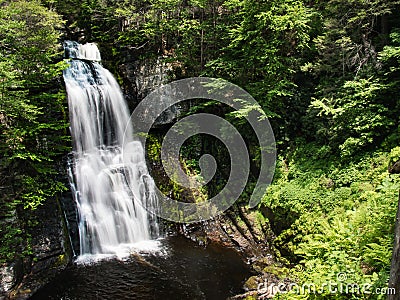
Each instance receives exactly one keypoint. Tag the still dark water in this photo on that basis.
(186, 271)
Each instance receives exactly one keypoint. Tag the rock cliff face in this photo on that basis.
(19, 279)
(141, 77)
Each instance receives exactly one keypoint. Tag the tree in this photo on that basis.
(352, 107)
(266, 47)
(32, 116)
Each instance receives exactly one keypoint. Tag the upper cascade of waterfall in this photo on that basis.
(88, 51)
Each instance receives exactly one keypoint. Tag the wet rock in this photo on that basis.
(252, 283)
(394, 168)
(10, 275)
(264, 286)
(141, 77)
(242, 229)
(50, 254)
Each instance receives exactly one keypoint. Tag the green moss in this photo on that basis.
(169, 186)
(279, 271)
(251, 283)
(62, 260)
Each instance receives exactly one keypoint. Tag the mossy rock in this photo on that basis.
(62, 260)
(252, 283)
(280, 272)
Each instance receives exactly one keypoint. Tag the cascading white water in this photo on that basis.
(109, 177)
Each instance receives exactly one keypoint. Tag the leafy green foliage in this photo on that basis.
(263, 53)
(357, 115)
(345, 213)
(32, 117)
(354, 102)
(167, 185)
(327, 73)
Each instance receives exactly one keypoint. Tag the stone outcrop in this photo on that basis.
(141, 77)
(50, 254)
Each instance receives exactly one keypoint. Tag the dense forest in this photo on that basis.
(327, 74)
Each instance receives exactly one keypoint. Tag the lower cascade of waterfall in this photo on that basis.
(108, 173)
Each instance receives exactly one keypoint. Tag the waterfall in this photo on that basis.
(108, 173)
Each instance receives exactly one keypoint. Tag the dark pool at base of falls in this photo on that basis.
(185, 271)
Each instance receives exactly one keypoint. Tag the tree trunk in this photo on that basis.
(394, 280)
